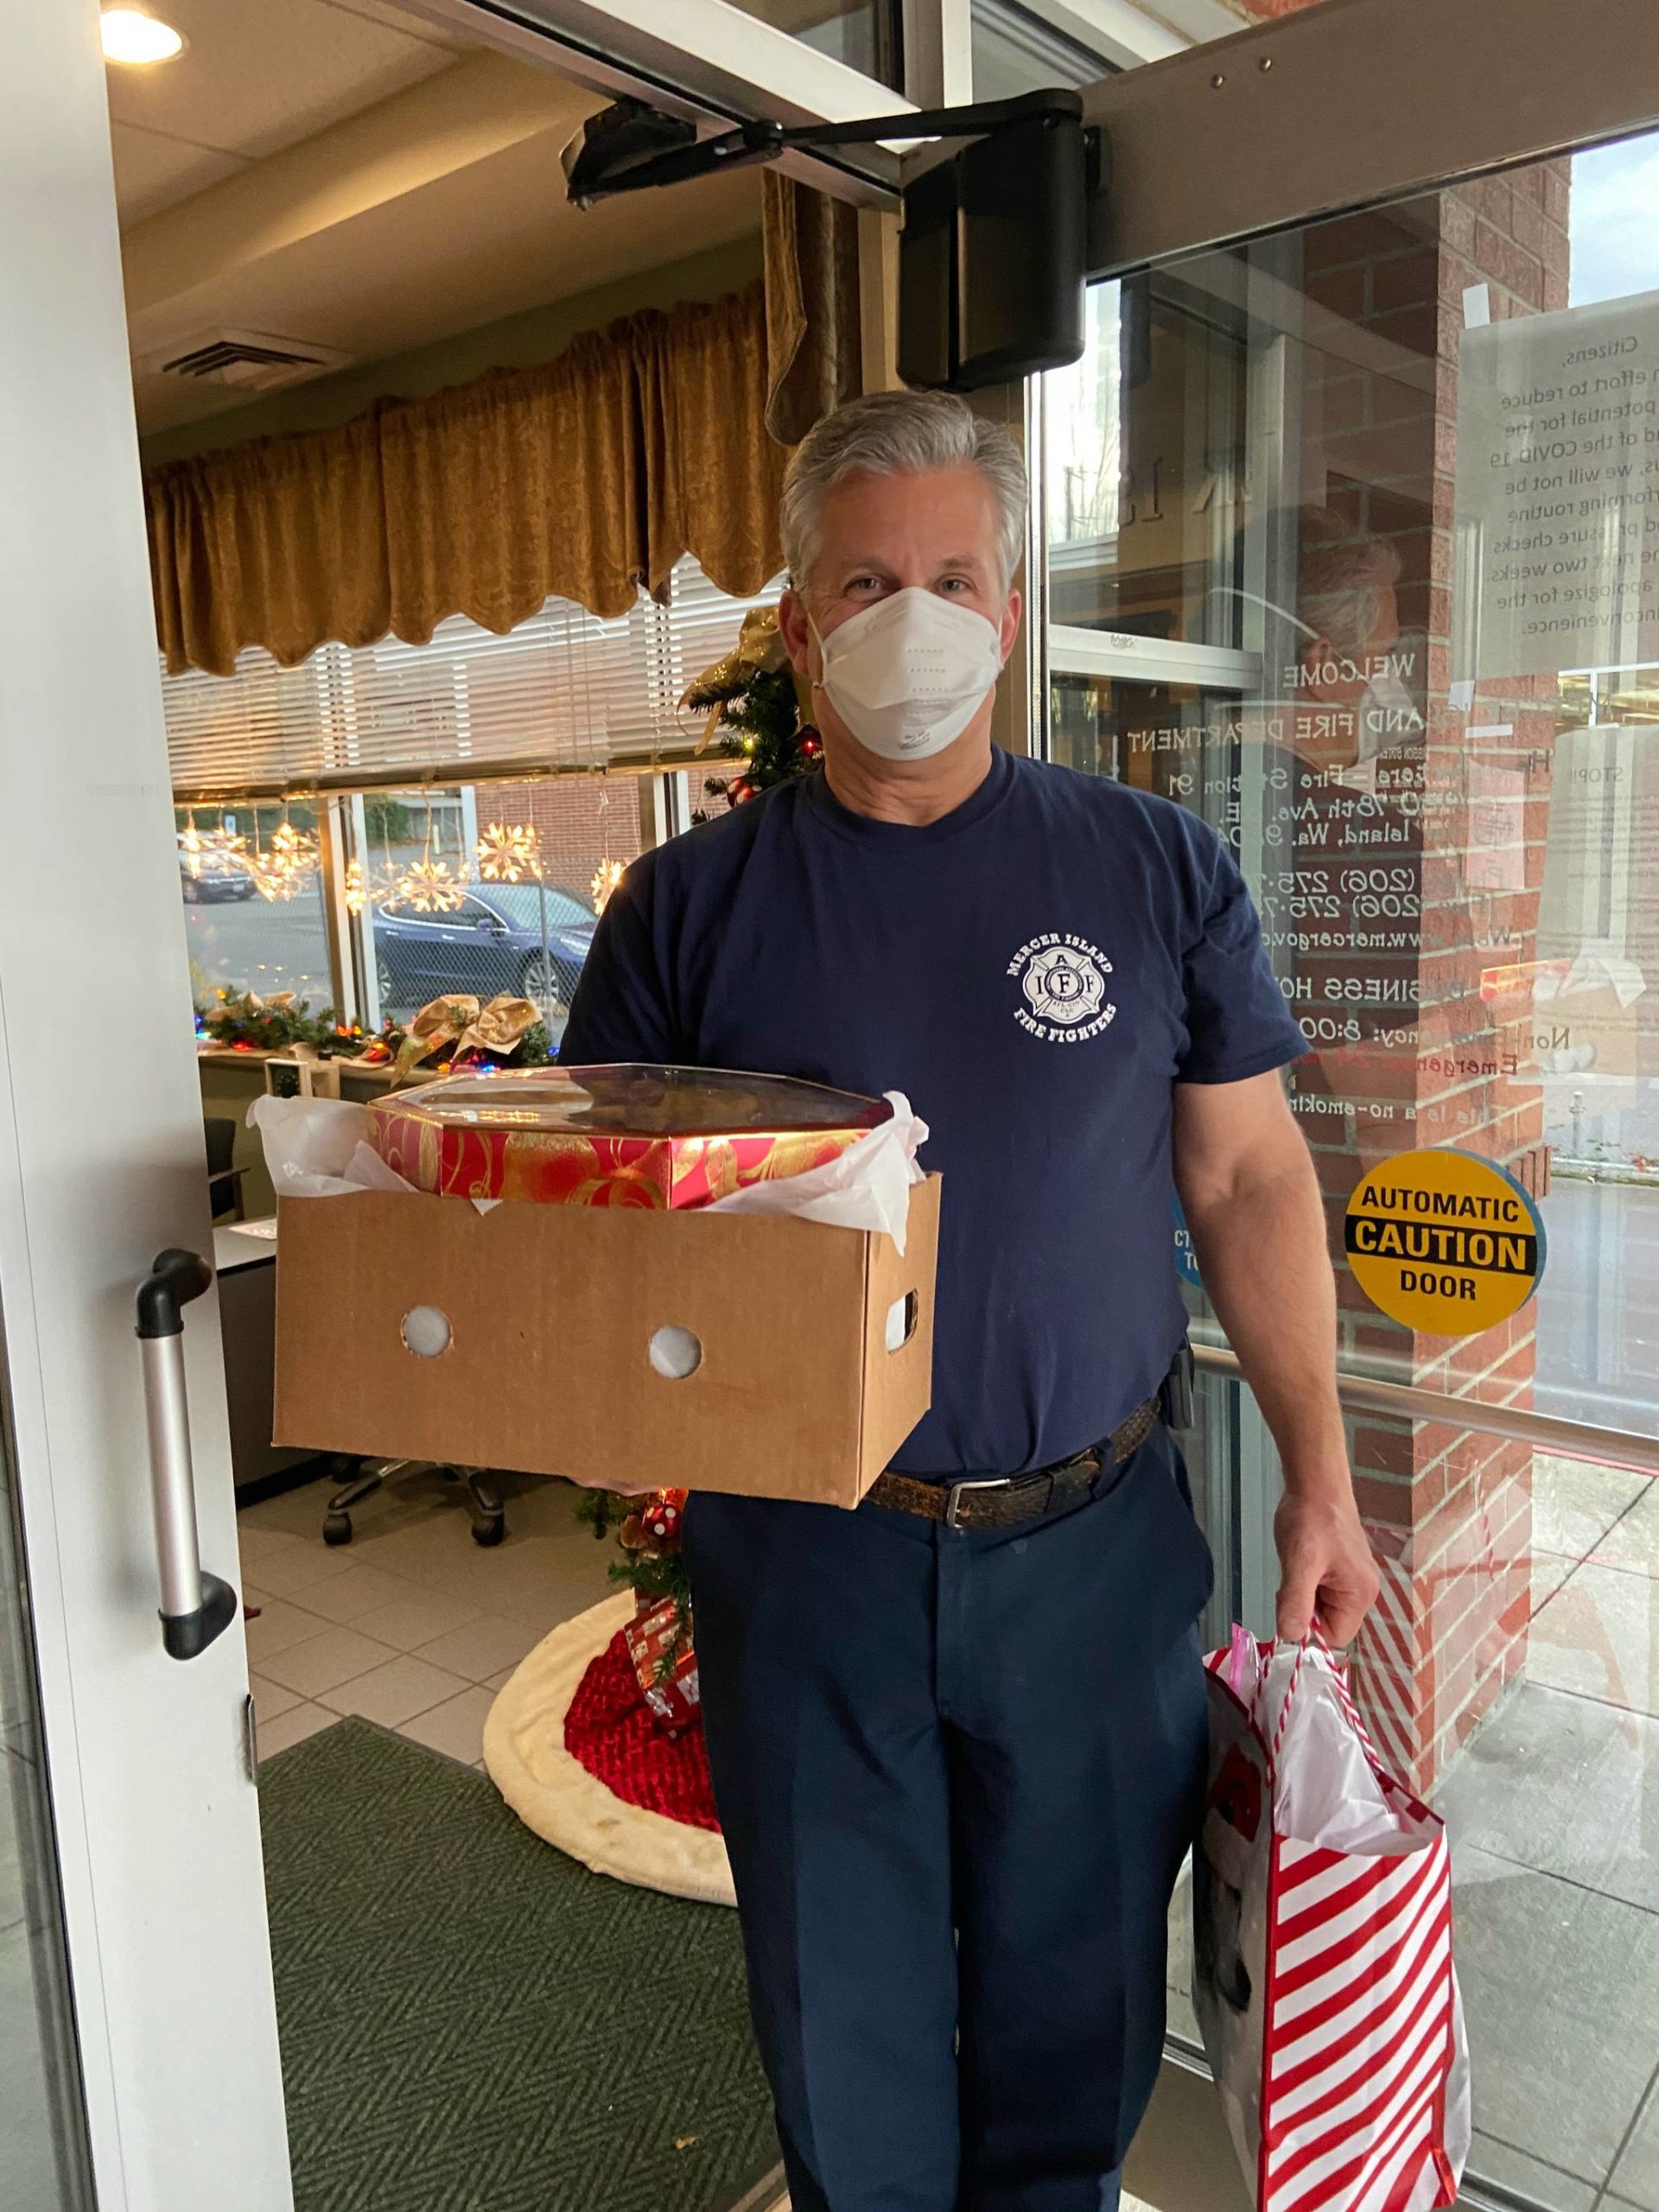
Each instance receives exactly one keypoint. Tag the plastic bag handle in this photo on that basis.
(1315, 1634)
(1315, 1638)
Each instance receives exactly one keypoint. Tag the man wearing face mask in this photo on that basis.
(958, 1735)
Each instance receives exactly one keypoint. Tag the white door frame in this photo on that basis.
(101, 1165)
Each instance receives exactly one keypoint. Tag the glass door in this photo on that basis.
(138, 2055)
(1353, 546)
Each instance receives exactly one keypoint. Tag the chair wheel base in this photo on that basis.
(480, 1494)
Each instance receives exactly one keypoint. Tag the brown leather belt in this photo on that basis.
(1003, 1501)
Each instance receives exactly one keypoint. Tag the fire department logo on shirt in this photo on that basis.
(1063, 984)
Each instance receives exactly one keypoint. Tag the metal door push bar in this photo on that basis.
(196, 1606)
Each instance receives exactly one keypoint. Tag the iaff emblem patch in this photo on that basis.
(1062, 982)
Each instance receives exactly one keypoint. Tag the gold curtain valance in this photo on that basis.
(280, 543)
(581, 479)
(813, 344)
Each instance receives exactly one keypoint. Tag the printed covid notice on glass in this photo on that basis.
(1558, 492)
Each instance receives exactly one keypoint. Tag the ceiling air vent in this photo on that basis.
(249, 360)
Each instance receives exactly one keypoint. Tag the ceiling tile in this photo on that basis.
(152, 172)
(253, 80)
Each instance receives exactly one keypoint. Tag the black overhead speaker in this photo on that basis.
(993, 258)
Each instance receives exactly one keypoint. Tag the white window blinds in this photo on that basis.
(563, 690)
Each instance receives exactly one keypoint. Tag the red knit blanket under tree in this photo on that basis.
(611, 1731)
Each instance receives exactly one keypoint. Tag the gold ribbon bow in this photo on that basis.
(459, 1022)
(759, 650)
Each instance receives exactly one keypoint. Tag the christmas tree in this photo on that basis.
(648, 1531)
(652, 1566)
(753, 702)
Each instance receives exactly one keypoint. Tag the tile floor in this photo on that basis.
(410, 1624)
(1553, 1814)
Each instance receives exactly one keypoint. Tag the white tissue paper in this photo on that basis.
(319, 1148)
(867, 1187)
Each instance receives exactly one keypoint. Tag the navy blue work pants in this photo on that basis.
(957, 1774)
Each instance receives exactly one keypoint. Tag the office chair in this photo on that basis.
(224, 1177)
(481, 1497)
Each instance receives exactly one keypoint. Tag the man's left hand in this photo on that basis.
(1325, 1566)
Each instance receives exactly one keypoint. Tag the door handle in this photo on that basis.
(196, 1606)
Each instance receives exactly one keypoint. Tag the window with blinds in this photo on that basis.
(564, 691)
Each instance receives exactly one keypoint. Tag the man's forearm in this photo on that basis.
(1260, 1251)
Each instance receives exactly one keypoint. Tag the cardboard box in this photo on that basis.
(550, 1314)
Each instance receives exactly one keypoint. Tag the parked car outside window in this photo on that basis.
(490, 943)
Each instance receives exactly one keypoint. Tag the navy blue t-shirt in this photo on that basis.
(1035, 971)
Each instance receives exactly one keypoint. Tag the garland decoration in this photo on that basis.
(248, 1023)
(508, 1033)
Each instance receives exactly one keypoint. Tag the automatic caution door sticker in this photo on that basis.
(1444, 1242)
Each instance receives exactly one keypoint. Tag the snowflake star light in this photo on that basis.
(510, 851)
(430, 887)
(607, 876)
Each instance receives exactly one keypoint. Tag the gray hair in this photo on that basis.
(897, 434)
(1344, 573)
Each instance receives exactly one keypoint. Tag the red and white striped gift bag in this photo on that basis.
(1322, 1970)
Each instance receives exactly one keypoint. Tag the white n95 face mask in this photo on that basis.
(907, 675)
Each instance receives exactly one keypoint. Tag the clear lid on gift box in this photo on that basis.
(627, 1098)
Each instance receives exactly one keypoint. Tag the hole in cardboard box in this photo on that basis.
(902, 1317)
(676, 1353)
(426, 1331)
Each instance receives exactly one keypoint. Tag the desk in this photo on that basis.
(244, 1260)
(238, 1245)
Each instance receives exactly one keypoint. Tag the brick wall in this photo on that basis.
(1461, 832)
(580, 820)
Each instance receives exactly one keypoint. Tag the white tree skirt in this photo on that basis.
(554, 1794)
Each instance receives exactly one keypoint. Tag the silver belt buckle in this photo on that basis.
(953, 1503)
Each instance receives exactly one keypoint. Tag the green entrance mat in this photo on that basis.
(473, 2023)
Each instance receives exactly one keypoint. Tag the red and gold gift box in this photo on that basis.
(665, 1665)
(623, 1135)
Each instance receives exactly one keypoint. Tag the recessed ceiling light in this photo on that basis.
(130, 35)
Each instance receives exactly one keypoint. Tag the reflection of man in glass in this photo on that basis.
(1340, 663)
(1335, 743)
